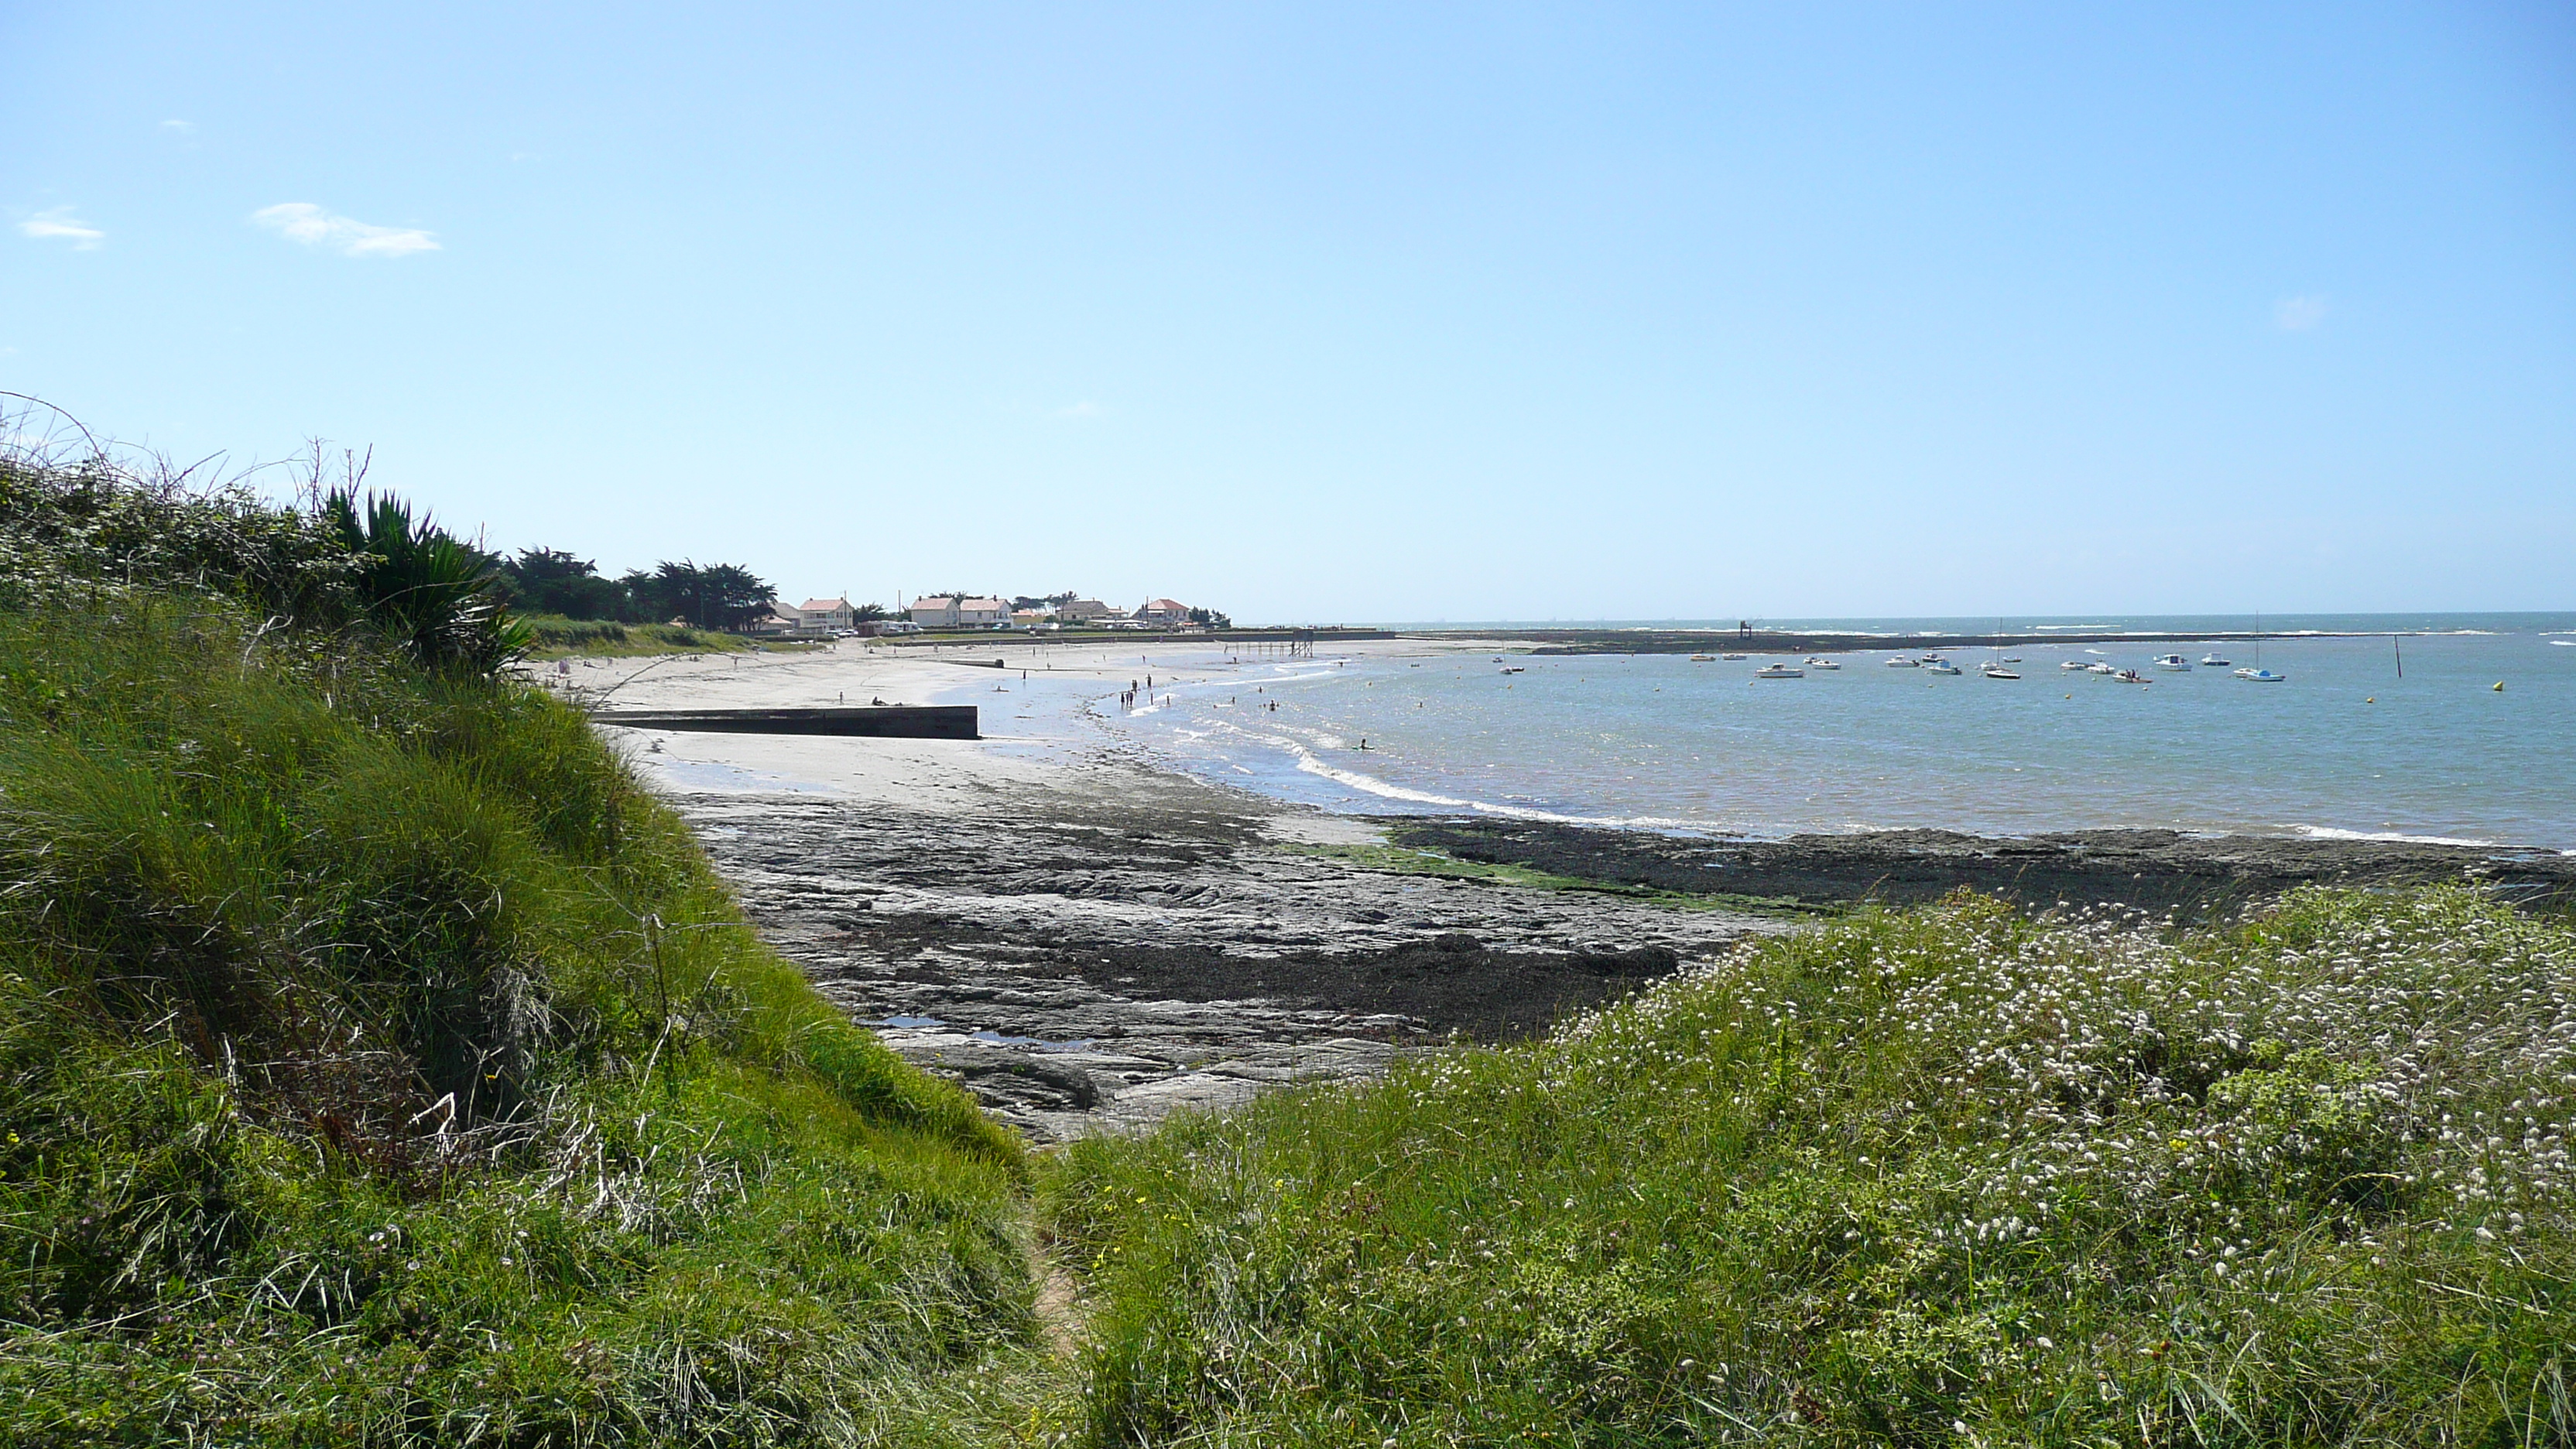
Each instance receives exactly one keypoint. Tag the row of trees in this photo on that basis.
(714, 596)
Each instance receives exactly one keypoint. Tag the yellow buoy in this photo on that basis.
(2499, 686)
(2374, 699)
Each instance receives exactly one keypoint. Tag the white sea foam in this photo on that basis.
(2328, 832)
(1367, 784)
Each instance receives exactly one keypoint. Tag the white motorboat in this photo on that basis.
(1941, 666)
(1515, 669)
(1901, 662)
(2211, 660)
(1702, 658)
(1779, 671)
(2174, 662)
(1733, 656)
(2073, 664)
(2131, 676)
(1815, 663)
(2100, 666)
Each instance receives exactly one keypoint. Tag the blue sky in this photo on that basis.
(1367, 312)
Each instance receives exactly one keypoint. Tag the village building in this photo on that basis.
(948, 611)
(1084, 611)
(1163, 612)
(827, 615)
(775, 622)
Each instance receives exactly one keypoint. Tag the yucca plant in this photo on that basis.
(423, 588)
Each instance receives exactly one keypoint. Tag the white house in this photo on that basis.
(1084, 611)
(825, 615)
(947, 611)
(1163, 611)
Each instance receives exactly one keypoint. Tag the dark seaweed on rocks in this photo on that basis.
(2154, 870)
(1451, 983)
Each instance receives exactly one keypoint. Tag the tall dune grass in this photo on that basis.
(379, 1064)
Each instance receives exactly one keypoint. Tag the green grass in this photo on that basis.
(1415, 860)
(561, 638)
(1944, 1177)
(378, 1063)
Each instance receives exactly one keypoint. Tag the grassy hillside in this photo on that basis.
(552, 636)
(379, 1064)
(1947, 1177)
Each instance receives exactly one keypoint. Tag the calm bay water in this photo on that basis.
(2345, 746)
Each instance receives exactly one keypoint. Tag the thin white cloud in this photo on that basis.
(179, 128)
(1079, 410)
(2299, 314)
(302, 221)
(60, 225)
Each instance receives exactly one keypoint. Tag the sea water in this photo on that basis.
(2345, 747)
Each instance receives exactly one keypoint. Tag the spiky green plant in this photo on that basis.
(420, 585)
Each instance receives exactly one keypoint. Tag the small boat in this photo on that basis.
(1515, 669)
(2174, 662)
(1703, 658)
(1732, 656)
(1941, 666)
(2073, 664)
(2099, 667)
(1998, 671)
(1815, 663)
(2012, 659)
(2258, 674)
(1779, 671)
(1903, 663)
(2131, 676)
(2211, 660)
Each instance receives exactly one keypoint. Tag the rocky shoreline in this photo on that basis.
(1093, 951)
(1090, 958)
(2160, 871)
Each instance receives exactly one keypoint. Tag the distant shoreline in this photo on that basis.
(1646, 641)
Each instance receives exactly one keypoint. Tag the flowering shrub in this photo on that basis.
(1951, 1175)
